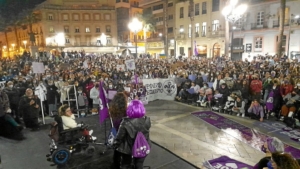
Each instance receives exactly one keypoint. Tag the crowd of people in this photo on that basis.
(265, 86)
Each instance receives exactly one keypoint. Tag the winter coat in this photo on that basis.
(29, 111)
(13, 95)
(127, 132)
(94, 94)
(4, 103)
(51, 94)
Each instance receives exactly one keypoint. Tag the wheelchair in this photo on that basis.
(65, 143)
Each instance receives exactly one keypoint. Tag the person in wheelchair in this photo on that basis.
(193, 92)
(68, 121)
(291, 104)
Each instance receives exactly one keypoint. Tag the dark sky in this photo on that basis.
(13, 7)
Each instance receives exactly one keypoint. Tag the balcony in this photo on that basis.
(158, 11)
(122, 4)
(255, 26)
(147, 2)
(81, 7)
(276, 23)
(216, 34)
(79, 44)
(180, 36)
(155, 39)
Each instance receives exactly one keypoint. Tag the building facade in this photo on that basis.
(162, 38)
(258, 31)
(71, 25)
(208, 28)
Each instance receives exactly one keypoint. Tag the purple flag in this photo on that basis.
(103, 103)
(225, 162)
(196, 50)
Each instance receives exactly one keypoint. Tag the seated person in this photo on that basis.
(239, 106)
(256, 111)
(193, 92)
(68, 120)
(283, 161)
(205, 94)
(217, 100)
(291, 103)
(272, 145)
(229, 103)
(182, 94)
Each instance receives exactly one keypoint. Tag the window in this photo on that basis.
(51, 29)
(260, 18)
(181, 50)
(97, 29)
(170, 17)
(65, 17)
(76, 17)
(86, 17)
(50, 17)
(258, 44)
(67, 40)
(197, 9)
(66, 29)
(118, 1)
(108, 29)
(87, 30)
(181, 12)
(97, 17)
(158, 7)
(204, 11)
(170, 30)
(107, 17)
(197, 29)
(76, 29)
(203, 29)
(215, 5)
(190, 31)
(126, 1)
(170, 4)
(215, 25)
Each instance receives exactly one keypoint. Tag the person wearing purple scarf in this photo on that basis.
(256, 111)
(271, 145)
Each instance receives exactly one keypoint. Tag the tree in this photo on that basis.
(281, 27)
(148, 23)
(29, 18)
(3, 28)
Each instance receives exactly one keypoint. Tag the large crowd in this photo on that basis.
(263, 87)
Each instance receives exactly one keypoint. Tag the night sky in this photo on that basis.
(13, 7)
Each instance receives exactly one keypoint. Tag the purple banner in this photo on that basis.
(250, 136)
(225, 162)
(280, 130)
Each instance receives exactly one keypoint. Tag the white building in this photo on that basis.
(208, 28)
(258, 31)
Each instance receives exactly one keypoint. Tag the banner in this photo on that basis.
(103, 104)
(2, 84)
(130, 64)
(162, 89)
(38, 67)
(225, 162)
(121, 67)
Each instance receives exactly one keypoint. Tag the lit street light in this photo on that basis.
(233, 13)
(135, 26)
(24, 42)
(160, 34)
(13, 46)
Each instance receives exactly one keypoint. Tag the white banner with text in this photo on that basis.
(160, 89)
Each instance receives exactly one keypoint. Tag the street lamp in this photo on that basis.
(25, 42)
(160, 34)
(233, 13)
(13, 46)
(135, 26)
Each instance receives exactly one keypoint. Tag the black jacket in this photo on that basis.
(127, 132)
(13, 95)
(29, 111)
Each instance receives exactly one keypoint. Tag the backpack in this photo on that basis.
(54, 133)
(141, 147)
(290, 122)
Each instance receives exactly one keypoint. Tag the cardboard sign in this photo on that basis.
(120, 67)
(38, 67)
(130, 64)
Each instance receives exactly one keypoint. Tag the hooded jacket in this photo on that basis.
(127, 132)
